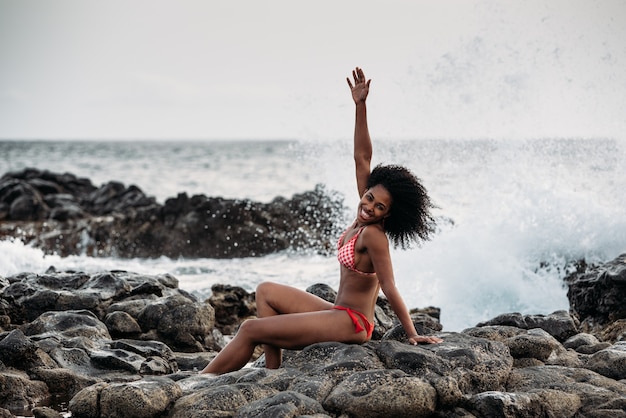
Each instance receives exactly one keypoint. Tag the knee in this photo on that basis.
(246, 328)
(264, 288)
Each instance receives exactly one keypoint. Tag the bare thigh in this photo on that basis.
(275, 298)
(298, 330)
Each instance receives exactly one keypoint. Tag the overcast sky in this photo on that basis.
(255, 69)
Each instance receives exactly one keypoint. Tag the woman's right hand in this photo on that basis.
(427, 339)
(361, 87)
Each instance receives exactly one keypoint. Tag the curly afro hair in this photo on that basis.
(409, 219)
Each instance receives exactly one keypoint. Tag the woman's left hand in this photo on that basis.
(427, 339)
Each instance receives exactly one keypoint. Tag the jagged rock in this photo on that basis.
(424, 325)
(316, 357)
(534, 343)
(560, 324)
(45, 412)
(231, 304)
(66, 215)
(180, 322)
(323, 291)
(5, 413)
(18, 392)
(376, 393)
(596, 294)
(489, 370)
(222, 400)
(609, 362)
(62, 382)
(147, 398)
(83, 301)
(18, 350)
(613, 331)
(285, 404)
(121, 324)
(476, 364)
(594, 391)
(546, 403)
(68, 324)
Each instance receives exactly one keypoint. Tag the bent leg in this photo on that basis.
(235, 355)
(275, 299)
(292, 331)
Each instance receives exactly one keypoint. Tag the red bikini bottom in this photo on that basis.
(355, 315)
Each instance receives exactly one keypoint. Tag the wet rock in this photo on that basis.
(222, 400)
(45, 412)
(69, 324)
(594, 390)
(17, 391)
(5, 413)
(60, 381)
(231, 304)
(17, 350)
(149, 397)
(532, 404)
(610, 362)
(180, 322)
(585, 344)
(121, 324)
(560, 324)
(284, 404)
(66, 215)
(375, 393)
(323, 291)
(491, 370)
(534, 343)
(596, 294)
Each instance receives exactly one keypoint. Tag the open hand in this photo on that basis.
(361, 87)
(427, 339)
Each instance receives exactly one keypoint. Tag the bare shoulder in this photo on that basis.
(374, 236)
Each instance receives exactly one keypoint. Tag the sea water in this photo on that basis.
(514, 216)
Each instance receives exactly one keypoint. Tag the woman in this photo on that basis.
(393, 204)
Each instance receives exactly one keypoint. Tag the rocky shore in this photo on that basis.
(120, 344)
(63, 214)
(123, 344)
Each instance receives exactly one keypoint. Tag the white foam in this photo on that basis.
(15, 257)
(522, 213)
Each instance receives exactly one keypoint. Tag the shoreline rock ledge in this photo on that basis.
(67, 215)
(121, 344)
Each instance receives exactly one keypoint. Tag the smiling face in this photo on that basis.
(375, 205)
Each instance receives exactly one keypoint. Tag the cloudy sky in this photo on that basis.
(254, 69)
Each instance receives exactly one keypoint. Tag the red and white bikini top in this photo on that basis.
(345, 253)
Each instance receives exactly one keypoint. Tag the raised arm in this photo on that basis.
(362, 141)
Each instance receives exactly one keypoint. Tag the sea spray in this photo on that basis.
(515, 216)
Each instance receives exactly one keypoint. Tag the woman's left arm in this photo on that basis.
(378, 249)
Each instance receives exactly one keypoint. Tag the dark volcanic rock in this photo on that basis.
(511, 366)
(597, 294)
(67, 215)
(559, 324)
(150, 397)
(232, 304)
